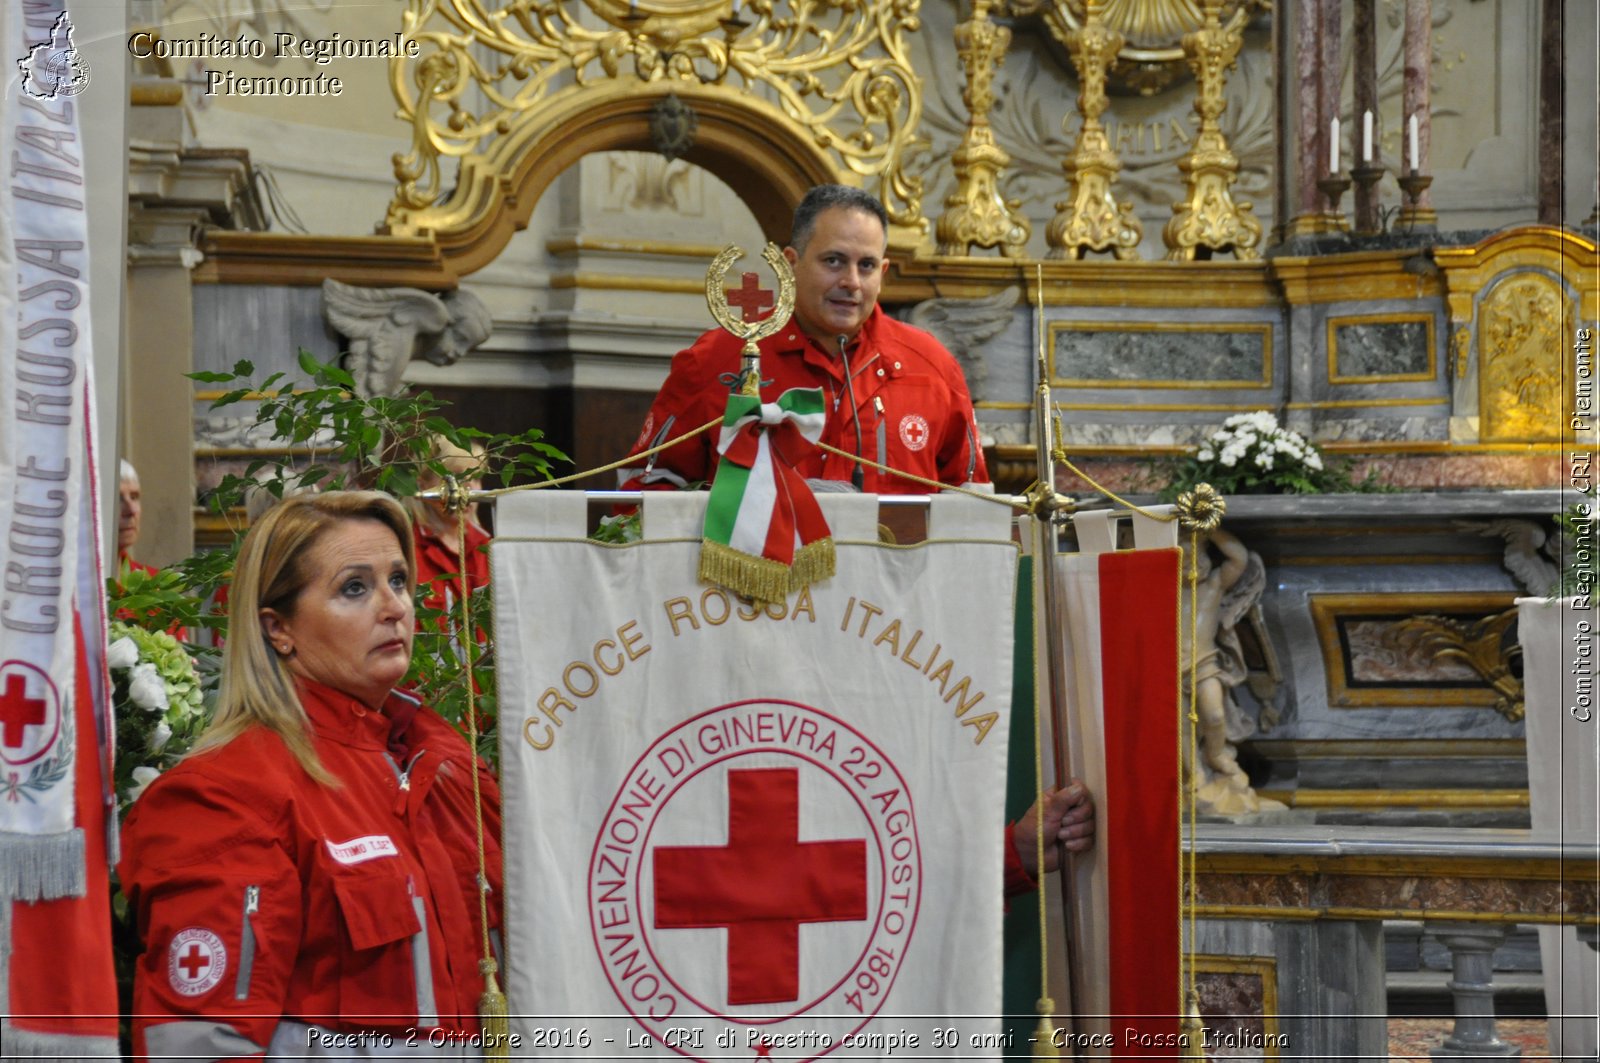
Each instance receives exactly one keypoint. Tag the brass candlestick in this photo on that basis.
(1334, 186)
(1367, 177)
(1413, 217)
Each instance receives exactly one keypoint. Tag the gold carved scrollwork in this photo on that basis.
(1090, 219)
(976, 214)
(1522, 325)
(1487, 646)
(1150, 56)
(1208, 220)
(839, 69)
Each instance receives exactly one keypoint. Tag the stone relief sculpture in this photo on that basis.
(1214, 658)
(964, 326)
(387, 327)
(1530, 551)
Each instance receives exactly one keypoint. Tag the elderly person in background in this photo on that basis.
(309, 873)
(129, 510)
(439, 560)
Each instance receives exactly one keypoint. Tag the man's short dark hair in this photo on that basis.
(826, 197)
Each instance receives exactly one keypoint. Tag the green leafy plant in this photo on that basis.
(348, 441)
(1253, 454)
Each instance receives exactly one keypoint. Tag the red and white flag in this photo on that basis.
(1122, 678)
(57, 991)
(753, 831)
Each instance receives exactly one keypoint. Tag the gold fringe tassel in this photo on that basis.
(762, 579)
(495, 1018)
(1194, 1031)
(1044, 1035)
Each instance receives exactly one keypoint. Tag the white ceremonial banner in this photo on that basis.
(738, 832)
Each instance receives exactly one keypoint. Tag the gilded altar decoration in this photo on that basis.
(1209, 220)
(1488, 646)
(976, 215)
(752, 332)
(1090, 219)
(493, 80)
(1150, 56)
(1523, 325)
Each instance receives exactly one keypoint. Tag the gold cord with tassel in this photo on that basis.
(1199, 511)
(492, 1011)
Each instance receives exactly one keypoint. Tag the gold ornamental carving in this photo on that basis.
(492, 79)
(1090, 219)
(1208, 220)
(1523, 325)
(1487, 646)
(976, 215)
(1150, 56)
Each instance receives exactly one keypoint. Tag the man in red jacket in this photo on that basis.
(893, 393)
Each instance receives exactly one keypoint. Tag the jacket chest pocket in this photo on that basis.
(385, 971)
(906, 415)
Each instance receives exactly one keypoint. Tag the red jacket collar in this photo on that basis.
(794, 338)
(338, 716)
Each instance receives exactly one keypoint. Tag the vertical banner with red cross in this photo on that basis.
(746, 831)
(57, 992)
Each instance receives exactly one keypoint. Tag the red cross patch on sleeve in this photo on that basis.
(196, 961)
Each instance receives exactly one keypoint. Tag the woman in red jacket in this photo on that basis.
(305, 883)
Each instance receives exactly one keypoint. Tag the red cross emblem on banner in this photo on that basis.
(30, 717)
(762, 885)
(752, 300)
(18, 711)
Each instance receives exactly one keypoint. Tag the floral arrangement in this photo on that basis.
(1253, 454)
(160, 705)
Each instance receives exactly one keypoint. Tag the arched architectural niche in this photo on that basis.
(767, 159)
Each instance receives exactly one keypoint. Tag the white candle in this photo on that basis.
(1333, 148)
(1366, 137)
(1415, 166)
(736, 5)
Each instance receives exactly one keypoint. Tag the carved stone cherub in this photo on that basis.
(387, 327)
(1210, 656)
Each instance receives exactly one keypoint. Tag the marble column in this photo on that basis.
(1330, 71)
(1472, 948)
(1418, 45)
(1311, 132)
(1552, 90)
(1364, 74)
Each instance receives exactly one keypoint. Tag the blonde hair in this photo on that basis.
(462, 464)
(270, 573)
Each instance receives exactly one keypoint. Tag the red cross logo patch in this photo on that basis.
(196, 961)
(913, 431)
(30, 713)
(759, 868)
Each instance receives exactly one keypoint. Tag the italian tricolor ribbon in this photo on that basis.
(765, 534)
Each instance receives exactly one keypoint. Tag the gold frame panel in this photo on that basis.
(1265, 968)
(1326, 609)
(1396, 318)
(1262, 327)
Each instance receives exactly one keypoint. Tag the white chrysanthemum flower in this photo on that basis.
(1206, 454)
(1264, 459)
(147, 689)
(160, 736)
(143, 776)
(122, 653)
(1229, 458)
(1314, 460)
